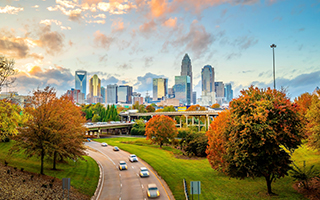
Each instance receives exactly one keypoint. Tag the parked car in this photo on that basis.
(153, 191)
(144, 172)
(133, 158)
(116, 148)
(123, 165)
(104, 144)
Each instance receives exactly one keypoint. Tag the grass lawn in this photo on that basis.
(84, 174)
(214, 185)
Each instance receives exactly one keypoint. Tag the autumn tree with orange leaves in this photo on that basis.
(304, 102)
(161, 129)
(257, 137)
(53, 129)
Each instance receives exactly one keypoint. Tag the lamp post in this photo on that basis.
(274, 73)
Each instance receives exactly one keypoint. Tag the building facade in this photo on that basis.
(81, 81)
(182, 89)
(160, 88)
(112, 94)
(208, 86)
(125, 94)
(219, 89)
(103, 94)
(94, 95)
(186, 70)
(194, 98)
(228, 92)
(76, 95)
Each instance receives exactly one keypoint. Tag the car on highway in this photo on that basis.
(123, 165)
(144, 172)
(133, 158)
(152, 191)
(89, 123)
(116, 148)
(104, 144)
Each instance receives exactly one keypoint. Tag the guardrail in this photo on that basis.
(185, 188)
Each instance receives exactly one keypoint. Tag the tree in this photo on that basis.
(161, 129)
(6, 72)
(150, 108)
(169, 109)
(216, 141)
(54, 128)
(304, 102)
(9, 119)
(196, 108)
(216, 105)
(263, 130)
(68, 130)
(313, 118)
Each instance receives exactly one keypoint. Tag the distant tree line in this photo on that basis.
(98, 113)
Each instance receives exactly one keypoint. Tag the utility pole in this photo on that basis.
(274, 69)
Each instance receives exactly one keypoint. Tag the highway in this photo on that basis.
(126, 184)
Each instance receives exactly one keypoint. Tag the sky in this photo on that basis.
(132, 41)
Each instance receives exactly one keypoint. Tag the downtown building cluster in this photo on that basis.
(181, 94)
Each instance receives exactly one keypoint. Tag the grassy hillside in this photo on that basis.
(214, 185)
(84, 174)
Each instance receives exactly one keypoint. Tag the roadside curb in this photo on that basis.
(95, 197)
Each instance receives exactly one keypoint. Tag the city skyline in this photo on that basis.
(131, 42)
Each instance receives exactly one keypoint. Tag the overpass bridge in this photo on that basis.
(113, 127)
(208, 114)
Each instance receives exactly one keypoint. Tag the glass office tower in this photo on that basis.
(81, 82)
(182, 89)
(160, 88)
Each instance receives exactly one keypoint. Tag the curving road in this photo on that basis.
(126, 184)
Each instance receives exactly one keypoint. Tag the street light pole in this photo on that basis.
(274, 73)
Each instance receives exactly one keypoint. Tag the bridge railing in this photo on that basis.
(185, 189)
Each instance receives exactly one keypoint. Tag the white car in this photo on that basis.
(133, 158)
(144, 172)
(104, 144)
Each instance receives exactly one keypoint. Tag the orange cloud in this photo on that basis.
(148, 27)
(117, 25)
(35, 70)
(170, 22)
(159, 7)
(101, 40)
(10, 9)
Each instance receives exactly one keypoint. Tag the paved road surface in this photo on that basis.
(126, 184)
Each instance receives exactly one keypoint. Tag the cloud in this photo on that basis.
(14, 47)
(37, 56)
(58, 77)
(148, 27)
(51, 41)
(125, 66)
(245, 42)
(116, 7)
(170, 22)
(148, 61)
(159, 7)
(73, 14)
(103, 16)
(295, 86)
(101, 40)
(197, 40)
(10, 10)
(144, 83)
(96, 21)
(50, 21)
(112, 80)
(117, 25)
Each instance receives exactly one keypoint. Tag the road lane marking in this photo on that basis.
(132, 167)
(142, 186)
(106, 156)
(119, 174)
(137, 174)
(120, 185)
(101, 186)
(158, 180)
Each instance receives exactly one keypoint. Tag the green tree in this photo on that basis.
(9, 119)
(262, 130)
(169, 109)
(161, 129)
(150, 108)
(7, 72)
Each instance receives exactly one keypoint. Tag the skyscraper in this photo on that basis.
(182, 89)
(125, 94)
(228, 92)
(112, 94)
(219, 89)
(186, 70)
(103, 94)
(94, 95)
(81, 81)
(160, 88)
(208, 86)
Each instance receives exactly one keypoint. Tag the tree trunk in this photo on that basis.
(42, 157)
(160, 144)
(54, 160)
(269, 181)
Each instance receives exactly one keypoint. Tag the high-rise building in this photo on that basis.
(194, 98)
(182, 89)
(208, 86)
(76, 95)
(219, 89)
(228, 92)
(125, 94)
(94, 95)
(112, 94)
(186, 70)
(171, 94)
(81, 81)
(160, 88)
(103, 94)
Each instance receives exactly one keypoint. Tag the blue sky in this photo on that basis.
(133, 41)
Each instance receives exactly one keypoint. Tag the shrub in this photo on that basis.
(137, 131)
(303, 175)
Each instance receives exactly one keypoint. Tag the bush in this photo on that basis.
(137, 131)
(182, 133)
(195, 144)
(304, 175)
